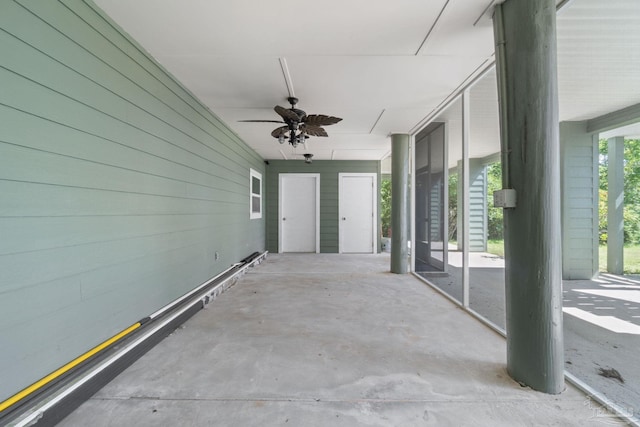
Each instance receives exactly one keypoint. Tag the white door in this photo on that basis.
(358, 211)
(299, 207)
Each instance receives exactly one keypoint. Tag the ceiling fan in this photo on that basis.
(298, 125)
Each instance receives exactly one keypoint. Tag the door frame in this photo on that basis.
(374, 193)
(413, 201)
(316, 176)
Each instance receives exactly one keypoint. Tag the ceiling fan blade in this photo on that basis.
(279, 131)
(321, 120)
(313, 130)
(262, 121)
(286, 113)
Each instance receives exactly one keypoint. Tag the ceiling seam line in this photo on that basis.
(287, 76)
(486, 9)
(562, 5)
(471, 79)
(432, 27)
(559, 6)
(377, 120)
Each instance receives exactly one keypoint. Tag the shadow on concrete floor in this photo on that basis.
(329, 340)
(601, 322)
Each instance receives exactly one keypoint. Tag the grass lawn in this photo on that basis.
(631, 256)
(496, 247)
(631, 259)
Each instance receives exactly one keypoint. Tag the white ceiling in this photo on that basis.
(598, 57)
(360, 60)
(381, 66)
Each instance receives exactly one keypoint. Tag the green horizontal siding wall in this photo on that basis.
(117, 187)
(329, 196)
(579, 157)
(477, 205)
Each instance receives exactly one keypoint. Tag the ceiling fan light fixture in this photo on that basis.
(298, 124)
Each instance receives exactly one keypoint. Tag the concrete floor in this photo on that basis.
(596, 343)
(329, 340)
(589, 346)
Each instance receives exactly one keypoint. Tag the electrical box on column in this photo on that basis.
(505, 198)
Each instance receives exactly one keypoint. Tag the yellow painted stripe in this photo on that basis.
(35, 386)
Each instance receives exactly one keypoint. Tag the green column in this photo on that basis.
(399, 202)
(615, 208)
(525, 33)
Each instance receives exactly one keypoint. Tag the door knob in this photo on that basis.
(284, 219)
(344, 218)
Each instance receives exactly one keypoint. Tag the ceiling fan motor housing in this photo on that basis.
(301, 114)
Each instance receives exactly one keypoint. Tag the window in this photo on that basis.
(255, 202)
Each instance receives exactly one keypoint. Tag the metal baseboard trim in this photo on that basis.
(71, 401)
(472, 312)
(52, 405)
(608, 408)
(437, 289)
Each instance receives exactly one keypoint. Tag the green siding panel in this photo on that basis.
(117, 187)
(329, 196)
(477, 206)
(579, 170)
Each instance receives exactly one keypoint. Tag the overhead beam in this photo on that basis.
(616, 119)
(491, 158)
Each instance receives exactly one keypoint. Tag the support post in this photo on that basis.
(399, 202)
(460, 201)
(525, 39)
(465, 232)
(615, 205)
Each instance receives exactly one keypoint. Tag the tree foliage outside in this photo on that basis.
(385, 200)
(494, 182)
(453, 207)
(631, 213)
(495, 229)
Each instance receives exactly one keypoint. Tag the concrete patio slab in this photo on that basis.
(329, 340)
